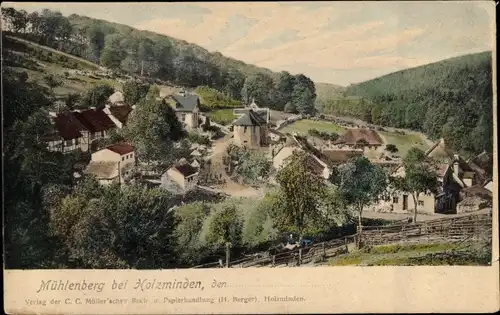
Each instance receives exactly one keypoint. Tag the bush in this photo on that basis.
(200, 139)
(391, 148)
(323, 134)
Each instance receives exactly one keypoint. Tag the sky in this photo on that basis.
(332, 42)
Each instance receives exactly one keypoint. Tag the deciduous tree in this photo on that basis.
(360, 184)
(419, 177)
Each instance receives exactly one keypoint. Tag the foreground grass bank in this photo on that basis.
(417, 254)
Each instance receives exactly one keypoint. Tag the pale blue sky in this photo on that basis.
(334, 42)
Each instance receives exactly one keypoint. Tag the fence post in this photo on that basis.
(228, 245)
(300, 256)
(324, 250)
(274, 260)
(346, 242)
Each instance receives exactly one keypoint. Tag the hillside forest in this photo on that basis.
(147, 55)
(451, 99)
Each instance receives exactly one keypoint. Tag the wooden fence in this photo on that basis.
(446, 229)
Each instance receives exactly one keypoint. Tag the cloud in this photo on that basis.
(329, 41)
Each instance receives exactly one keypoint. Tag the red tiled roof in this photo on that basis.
(95, 120)
(121, 148)
(352, 136)
(68, 126)
(120, 112)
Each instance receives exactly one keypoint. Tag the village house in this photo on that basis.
(263, 112)
(294, 145)
(67, 135)
(187, 108)
(180, 178)
(114, 163)
(250, 130)
(366, 139)
(454, 176)
(96, 123)
(118, 114)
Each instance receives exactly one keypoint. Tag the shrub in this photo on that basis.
(200, 139)
(391, 148)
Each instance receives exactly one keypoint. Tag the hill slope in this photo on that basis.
(84, 23)
(450, 98)
(127, 50)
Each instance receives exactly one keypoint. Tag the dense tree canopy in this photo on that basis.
(360, 183)
(29, 170)
(139, 53)
(153, 128)
(450, 99)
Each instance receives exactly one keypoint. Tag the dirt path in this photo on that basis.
(231, 188)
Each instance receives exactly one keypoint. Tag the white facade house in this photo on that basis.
(112, 164)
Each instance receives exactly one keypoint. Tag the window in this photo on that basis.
(395, 199)
(68, 143)
(183, 117)
(421, 203)
(123, 158)
(77, 141)
(245, 130)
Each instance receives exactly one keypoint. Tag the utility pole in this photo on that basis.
(142, 68)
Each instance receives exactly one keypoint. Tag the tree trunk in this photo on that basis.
(360, 227)
(415, 203)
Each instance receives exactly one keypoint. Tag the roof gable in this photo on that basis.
(121, 148)
(68, 126)
(94, 120)
(352, 136)
(250, 118)
(120, 112)
(340, 156)
(185, 169)
(186, 102)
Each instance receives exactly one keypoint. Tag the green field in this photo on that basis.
(404, 142)
(303, 126)
(222, 116)
(17, 59)
(414, 254)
